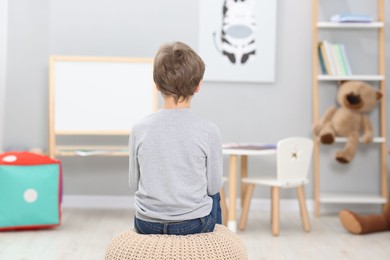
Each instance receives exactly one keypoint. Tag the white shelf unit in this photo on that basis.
(378, 140)
(350, 77)
(341, 198)
(337, 198)
(334, 25)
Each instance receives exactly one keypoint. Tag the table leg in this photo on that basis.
(232, 220)
(275, 211)
(244, 174)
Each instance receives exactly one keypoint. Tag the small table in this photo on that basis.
(243, 150)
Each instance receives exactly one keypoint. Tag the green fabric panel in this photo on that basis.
(41, 180)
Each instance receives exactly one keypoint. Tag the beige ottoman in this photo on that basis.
(220, 244)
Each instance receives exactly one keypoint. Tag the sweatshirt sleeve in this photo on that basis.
(214, 163)
(133, 164)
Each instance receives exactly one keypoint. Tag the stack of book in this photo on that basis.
(333, 59)
(351, 18)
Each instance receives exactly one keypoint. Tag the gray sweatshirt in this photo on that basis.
(175, 163)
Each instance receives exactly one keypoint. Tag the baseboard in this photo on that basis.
(95, 201)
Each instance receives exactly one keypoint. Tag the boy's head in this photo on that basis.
(177, 71)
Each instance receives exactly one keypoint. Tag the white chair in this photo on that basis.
(292, 161)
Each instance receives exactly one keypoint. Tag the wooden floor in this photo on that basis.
(86, 232)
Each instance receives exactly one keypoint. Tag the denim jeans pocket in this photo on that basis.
(145, 227)
(187, 227)
(209, 225)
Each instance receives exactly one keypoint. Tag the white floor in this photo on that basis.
(86, 232)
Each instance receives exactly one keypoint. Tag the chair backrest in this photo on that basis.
(294, 156)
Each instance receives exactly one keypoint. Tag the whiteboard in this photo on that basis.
(100, 94)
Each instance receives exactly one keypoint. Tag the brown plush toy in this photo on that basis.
(357, 224)
(356, 99)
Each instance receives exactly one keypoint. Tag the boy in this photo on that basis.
(176, 156)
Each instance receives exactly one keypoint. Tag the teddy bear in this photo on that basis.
(365, 224)
(356, 99)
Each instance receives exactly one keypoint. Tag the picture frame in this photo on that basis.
(237, 40)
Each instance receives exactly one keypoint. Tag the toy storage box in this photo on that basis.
(30, 191)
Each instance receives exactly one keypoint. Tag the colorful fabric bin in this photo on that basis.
(30, 191)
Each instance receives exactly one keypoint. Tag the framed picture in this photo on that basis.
(237, 40)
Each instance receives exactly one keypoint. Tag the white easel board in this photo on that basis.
(100, 94)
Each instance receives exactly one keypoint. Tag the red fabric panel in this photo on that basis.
(25, 158)
(29, 227)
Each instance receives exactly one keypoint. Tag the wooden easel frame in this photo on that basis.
(53, 133)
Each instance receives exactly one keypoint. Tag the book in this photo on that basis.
(346, 60)
(324, 60)
(340, 62)
(336, 59)
(321, 60)
(351, 18)
(249, 146)
(332, 58)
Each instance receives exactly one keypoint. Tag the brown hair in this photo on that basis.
(177, 70)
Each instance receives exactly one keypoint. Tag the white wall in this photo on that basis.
(3, 61)
(243, 112)
(27, 74)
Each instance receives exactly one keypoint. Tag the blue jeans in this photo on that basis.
(187, 227)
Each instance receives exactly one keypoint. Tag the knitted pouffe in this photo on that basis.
(220, 244)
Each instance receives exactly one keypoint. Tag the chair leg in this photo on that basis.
(303, 208)
(224, 207)
(246, 204)
(275, 211)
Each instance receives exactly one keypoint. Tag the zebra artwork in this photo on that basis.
(236, 39)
